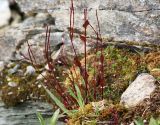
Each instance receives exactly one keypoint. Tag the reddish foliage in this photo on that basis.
(96, 87)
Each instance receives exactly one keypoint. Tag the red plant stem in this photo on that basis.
(47, 54)
(95, 60)
(48, 45)
(72, 32)
(72, 26)
(65, 63)
(60, 92)
(31, 54)
(85, 52)
(46, 41)
(101, 58)
(48, 50)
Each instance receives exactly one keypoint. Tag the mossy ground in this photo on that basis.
(25, 89)
(121, 68)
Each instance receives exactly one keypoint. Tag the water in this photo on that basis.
(24, 114)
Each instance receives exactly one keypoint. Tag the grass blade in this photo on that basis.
(55, 117)
(57, 101)
(72, 94)
(41, 120)
(79, 96)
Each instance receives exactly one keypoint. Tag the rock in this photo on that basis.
(5, 13)
(14, 69)
(30, 70)
(42, 75)
(1, 66)
(37, 39)
(12, 39)
(6, 45)
(67, 50)
(138, 90)
(25, 114)
(12, 84)
(125, 20)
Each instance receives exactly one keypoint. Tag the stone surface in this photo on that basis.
(6, 47)
(12, 39)
(1, 65)
(25, 114)
(30, 70)
(138, 90)
(14, 69)
(5, 13)
(125, 20)
(42, 75)
(33, 31)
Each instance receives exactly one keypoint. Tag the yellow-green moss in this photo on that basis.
(26, 86)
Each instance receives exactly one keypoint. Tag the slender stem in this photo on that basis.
(101, 58)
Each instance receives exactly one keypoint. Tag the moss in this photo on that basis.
(77, 118)
(88, 116)
(120, 67)
(26, 87)
(11, 96)
(153, 63)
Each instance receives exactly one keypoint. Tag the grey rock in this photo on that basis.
(30, 70)
(25, 114)
(42, 75)
(12, 39)
(6, 46)
(67, 50)
(123, 20)
(1, 66)
(35, 34)
(5, 13)
(14, 69)
(138, 90)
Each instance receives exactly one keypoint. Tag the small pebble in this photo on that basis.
(39, 86)
(10, 93)
(1, 65)
(30, 70)
(41, 76)
(47, 67)
(14, 70)
(12, 84)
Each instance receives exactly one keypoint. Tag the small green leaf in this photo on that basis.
(72, 94)
(79, 96)
(41, 120)
(55, 117)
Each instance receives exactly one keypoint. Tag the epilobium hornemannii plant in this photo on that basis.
(76, 95)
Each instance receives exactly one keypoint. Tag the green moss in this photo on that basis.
(88, 115)
(26, 87)
(121, 67)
